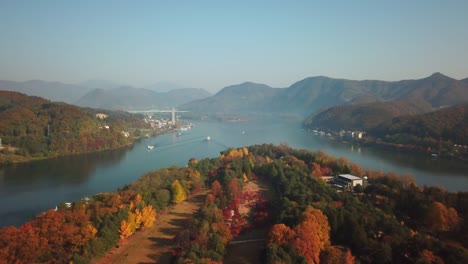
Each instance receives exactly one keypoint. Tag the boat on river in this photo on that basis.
(150, 147)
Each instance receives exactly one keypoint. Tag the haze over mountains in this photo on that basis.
(54, 91)
(308, 96)
(129, 98)
(313, 94)
(108, 95)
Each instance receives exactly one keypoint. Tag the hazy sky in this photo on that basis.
(211, 44)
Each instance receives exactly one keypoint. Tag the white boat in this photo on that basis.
(150, 147)
(208, 138)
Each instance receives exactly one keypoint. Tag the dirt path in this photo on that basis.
(154, 245)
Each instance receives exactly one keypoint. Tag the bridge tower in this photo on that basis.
(173, 116)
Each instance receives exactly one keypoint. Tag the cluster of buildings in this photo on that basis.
(159, 123)
(351, 134)
(345, 134)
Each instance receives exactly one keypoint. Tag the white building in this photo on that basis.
(348, 180)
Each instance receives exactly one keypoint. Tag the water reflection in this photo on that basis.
(68, 170)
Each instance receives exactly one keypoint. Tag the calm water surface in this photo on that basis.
(30, 188)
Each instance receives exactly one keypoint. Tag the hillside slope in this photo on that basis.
(448, 125)
(364, 116)
(240, 98)
(35, 127)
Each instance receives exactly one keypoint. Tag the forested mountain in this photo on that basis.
(448, 125)
(35, 127)
(318, 93)
(364, 116)
(54, 91)
(240, 98)
(130, 98)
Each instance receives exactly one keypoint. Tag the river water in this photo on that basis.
(30, 188)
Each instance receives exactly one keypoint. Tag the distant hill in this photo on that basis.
(99, 84)
(448, 124)
(130, 98)
(162, 87)
(315, 94)
(365, 116)
(36, 127)
(54, 91)
(240, 98)
(122, 98)
(181, 96)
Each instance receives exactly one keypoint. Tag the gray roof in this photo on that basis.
(350, 177)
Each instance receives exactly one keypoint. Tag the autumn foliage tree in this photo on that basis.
(280, 234)
(312, 235)
(148, 216)
(216, 189)
(178, 192)
(336, 255)
(53, 237)
(439, 218)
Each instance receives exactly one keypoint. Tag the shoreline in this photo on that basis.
(5, 158)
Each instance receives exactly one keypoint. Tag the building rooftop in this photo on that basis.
(350, 177)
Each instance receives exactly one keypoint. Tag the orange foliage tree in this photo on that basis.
(312, 235)
(316, 170)
(279, 234)
(217, 189)
(439, 218)
(337, 255)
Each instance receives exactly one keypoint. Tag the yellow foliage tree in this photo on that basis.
(178, 193)
(138, 218)
(246, 179)
(148, 216)
(132, 221)
(245, 151)
(137, 200)
(125, 229)
(89, 231)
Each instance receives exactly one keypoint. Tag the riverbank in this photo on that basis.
(7, 157)
(455, 153)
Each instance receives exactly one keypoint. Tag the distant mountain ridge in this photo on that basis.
(105, 94)
(130, 98)
(244, 97)
(54, 91)
(308, 96)
(314, 94)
